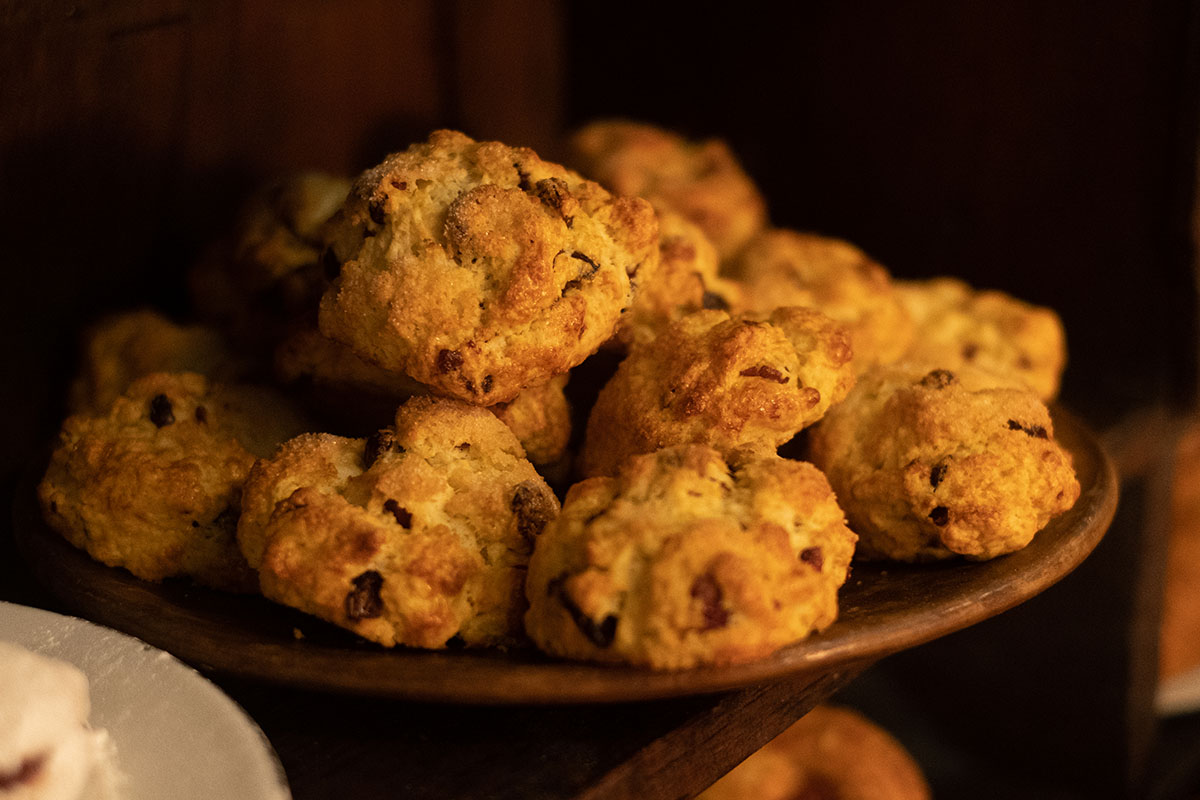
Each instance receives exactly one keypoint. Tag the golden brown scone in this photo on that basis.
(930, 463)
(479, 269)
(703, 181)
(268, 273)
(123, 347)
(154, 484)
(781, 267)
(831, 753)
(729, 382)
(683, 559)
(540, 416)
(958, 325)
(413, 536)
(686, 280)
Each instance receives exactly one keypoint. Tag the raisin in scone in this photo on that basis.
(685, 559)
(933, 463)
(268, 273)
(123, 347)
(703, 181)
(479, 269)
(958, 325)
(154, 484)
(831, 753)
(686, 280)
(357, 392)
(751, 380)
(781, 267)
(416, 535)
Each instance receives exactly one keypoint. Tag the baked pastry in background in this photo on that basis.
(417, 535)
(1179, 638)
(930, 463)
(991, 330)
(479, 269)
(686, 280)
(703, 181)
(47, 749)
(268, 274)
(154, 484)
(831, 753)
(781, 267)
(752, 380)
(363, 396)
(123, 347)
(685, 559)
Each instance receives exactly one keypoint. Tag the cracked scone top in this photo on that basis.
(751, 380)
(703, 180)
(414, 536)
(932, 463)
(480, 269)
(782, 267)
(153, 484)
(684, 559)
(991, 330)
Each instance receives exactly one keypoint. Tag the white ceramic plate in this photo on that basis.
(177, 734)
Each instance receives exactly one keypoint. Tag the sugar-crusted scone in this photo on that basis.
(268, 272)
(684, 559)
(930, 463)
(413, 536)
(991, 330)
(730, 382)
(703, 181)
(686, 280)
(781, 267)
(123, 347)
(540, 416)
(154, 484)
(831, 753)
(479, 269)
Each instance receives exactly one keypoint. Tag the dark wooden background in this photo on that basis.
(1045, 148)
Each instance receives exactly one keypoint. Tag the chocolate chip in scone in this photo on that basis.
(937, 473)
(201, 414)
(377, 209)
(600, 633)
(764, 371)
(522, 178)
(814, 557)
(938, 379)
(532, 509)
(403, 515)
(970, 350)
(161, 412)
(379, 443)
(1036, 431)
(940, 516)
(449, 360)
(706, 589)
(712, 300)
(486, 384)
(364, 600)
(554, 193)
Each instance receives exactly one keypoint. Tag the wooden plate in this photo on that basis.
(884, 609)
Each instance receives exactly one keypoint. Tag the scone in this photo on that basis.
(268, 272)
(154, 484)
(47, 749)
(479, 269)
(123, 347)
(703, 181)
(958, 325)
(415, 536)
(781, 267)
(686, 280)
(684, 559)
(930, 463)
(831, 753)
(359, 393)
(730, 382)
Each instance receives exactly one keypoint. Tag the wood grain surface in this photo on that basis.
(884, 609)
